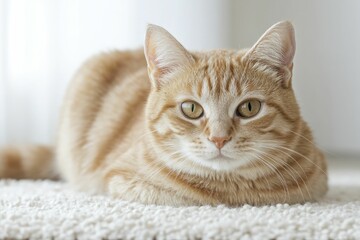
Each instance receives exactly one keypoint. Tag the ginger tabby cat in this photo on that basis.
(182, 128)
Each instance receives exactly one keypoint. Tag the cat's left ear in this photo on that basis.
(164, 55)
(276, 48)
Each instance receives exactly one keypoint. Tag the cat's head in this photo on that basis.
(221, 109)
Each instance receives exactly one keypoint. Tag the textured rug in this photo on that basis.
(51, 210)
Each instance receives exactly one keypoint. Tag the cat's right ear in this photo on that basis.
(276, 48)
(164, 55)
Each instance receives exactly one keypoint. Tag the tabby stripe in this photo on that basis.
(282, 111)
(161, 112)
(102, 91)
(230, 78)
(207, 76)
(121, 129)
(179, 179)
(217, 79)
(11, 166)
(227, 75)
(200, 87)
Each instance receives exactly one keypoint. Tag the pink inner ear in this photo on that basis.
(150, 53)
(289, 51)
(276, 46)
(160, 72)
(164, 54)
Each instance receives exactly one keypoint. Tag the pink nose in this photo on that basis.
(220, 141)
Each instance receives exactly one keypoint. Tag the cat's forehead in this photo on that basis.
(221, 65)
(219, 59)
(224, 73)
(219, 72)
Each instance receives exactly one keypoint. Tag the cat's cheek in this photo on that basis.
(161, 126)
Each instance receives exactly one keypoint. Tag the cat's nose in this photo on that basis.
(220, 141)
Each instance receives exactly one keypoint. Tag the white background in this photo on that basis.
(43, 42)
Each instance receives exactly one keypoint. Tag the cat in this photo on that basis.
(171, 127)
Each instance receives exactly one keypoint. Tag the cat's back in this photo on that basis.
(109, 67)
(103, 110)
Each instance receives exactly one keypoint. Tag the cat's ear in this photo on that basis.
(276, 47)
(164, 55)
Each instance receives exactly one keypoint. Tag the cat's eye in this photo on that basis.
(248, 108)
(192, 109)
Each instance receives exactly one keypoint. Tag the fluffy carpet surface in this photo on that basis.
(51, 210)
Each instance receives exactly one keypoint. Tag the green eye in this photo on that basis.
(248, 108)
(192, 109)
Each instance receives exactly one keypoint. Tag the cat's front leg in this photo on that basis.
(133, 188)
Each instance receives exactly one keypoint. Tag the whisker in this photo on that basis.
(151, 175)
(312, 142)
(290, 170)
(296, 152)
(274, 169)
(254, 155)
(143, 135)
(302, 169)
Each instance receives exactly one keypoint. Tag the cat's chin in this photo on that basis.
(223, 163)
(222, 158)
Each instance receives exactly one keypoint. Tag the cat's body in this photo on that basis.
(129, 136)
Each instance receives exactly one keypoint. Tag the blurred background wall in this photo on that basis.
(43, 42)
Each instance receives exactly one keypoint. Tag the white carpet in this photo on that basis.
(45, 209)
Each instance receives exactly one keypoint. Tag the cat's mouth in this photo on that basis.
(221, 156)
(221, 160)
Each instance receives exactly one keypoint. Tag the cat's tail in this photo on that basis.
(31, 162)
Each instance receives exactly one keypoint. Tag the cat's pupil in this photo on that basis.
(249, 107)
(192, 107)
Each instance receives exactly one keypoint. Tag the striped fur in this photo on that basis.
(122, 131)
